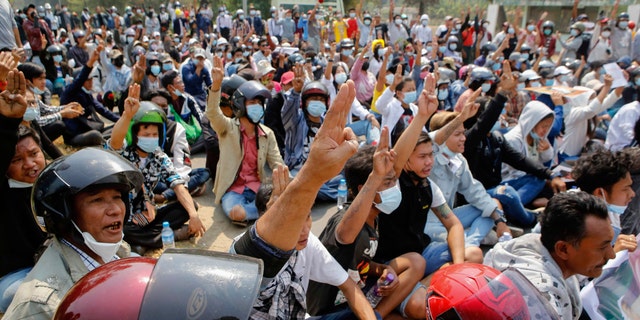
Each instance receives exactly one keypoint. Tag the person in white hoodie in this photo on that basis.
(575, 240)
(529, 137)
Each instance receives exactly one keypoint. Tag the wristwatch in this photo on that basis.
(500, 218)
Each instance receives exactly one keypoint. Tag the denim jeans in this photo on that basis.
(197, 177)
(476, 227)
(247, 200)
(512, 206)
(436, 254)
(9, 285)
(361, 128)
(528, 187)
(329, 190)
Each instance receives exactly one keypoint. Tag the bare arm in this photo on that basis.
(196, 227)
(16, 35)
(131, 106)
(381, 75)
(357, 301)
(470, 108)
(455, 231)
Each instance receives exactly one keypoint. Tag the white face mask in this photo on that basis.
(398, 21)
(105, 251)
(341, 78)
(389, 199)
(389, 78)
(606, 34)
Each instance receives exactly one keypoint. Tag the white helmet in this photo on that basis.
(239, 11)
(47, 6)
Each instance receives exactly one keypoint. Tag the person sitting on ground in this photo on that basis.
(286, 223)
(138, 137)
(605, 175)
(245, 144)
(85, 213)
(88, 128)
(575, 240)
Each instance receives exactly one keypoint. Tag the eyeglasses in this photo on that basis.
(264, 45)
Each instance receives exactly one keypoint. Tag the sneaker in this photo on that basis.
(200, 190)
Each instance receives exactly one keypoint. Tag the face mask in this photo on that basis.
(316, 108)
(458, 26)
(536, 84)
(347, 52)
(288, 17)
(398, 21)
(177, 92)
(219, 54)
(616, 209)
(352, 15)
(425, 22)
(485, 25)
(167, 66)
(547, 32)
(241, 17)
(511, 31)
(453, 47)
(57, 58)
(534, 136)
(367, 22)
(410, 97)
(381, 52)
(549, 82)
(524, 56)
(531, 27)
(447, 151)
(573, 32)
(104, 250)
(389, 78)
(389, 199)
(252, 12)
(147, 144)
(443, 94)
(341, 78)
(429, 48)
(564, 78)
(521, 86)
(623, 24)
(155, 70)
(255, 112)
(442, 49)
(273, 15)
(87, 91)
(606, 34)
(37, 90)
(30, 115)
(486, 87)
(229, 56)
(246, 53)
(637, 81)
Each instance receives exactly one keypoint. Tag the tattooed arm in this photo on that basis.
(455, 237)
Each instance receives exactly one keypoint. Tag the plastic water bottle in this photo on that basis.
(167, 236)
(374, 136)
(342, 193)
(373, 296)
(505, 237)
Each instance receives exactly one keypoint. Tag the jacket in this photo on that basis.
(58, 269)
(231, 153)
(533, 260)
(34, 33)
(532, 113)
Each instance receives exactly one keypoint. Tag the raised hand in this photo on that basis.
(7, 63)
(132, 103)
(13, 103)
(139, 69)
(428, 101)
(217, 73)
(508, 82)
(383, 158)
(471, 107)
(298, 80)
(280, 179)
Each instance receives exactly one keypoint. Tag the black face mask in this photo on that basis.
(365, 66)
(118, 62)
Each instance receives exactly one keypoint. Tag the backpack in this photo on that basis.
(584, 49)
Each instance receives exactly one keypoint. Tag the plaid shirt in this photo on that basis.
(89, 262)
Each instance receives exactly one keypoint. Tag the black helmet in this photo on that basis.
(548, 24)
(346, 43)
(54, 48)
(229, 86)
(623, 15)
(53, 192)
(315, 88)
(248, 91)
(487, 48)
(546, 64)
(149, 112)
(234, 41)
(481, 74)
(296, 57)
(525, 47)
(79, 34)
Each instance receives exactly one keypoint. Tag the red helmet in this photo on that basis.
(182, 284)
(475, 291)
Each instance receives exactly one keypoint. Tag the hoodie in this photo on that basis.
(533, 260)
(532, 113)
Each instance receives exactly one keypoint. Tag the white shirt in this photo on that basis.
(422, 33)
(620, 131)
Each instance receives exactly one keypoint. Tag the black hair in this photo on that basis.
(263, 196)
(564, 217)
(174, 54)
(358, 168)
(404, 82)
(483, 105)
(26, 132)
(31, 70)
(159, 92)
(601, 169)
(167, 78)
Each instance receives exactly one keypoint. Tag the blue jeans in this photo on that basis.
(9, 285)
(197, 177)
(528, 187)
(329, 190)
(512, 206)
(436, 254)
(361, 128)
(247, 200)
(476, 227)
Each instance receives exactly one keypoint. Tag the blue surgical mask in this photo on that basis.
(524, 56)
(155, 70)
(443, 94)
(616, 208)
(37, 90)
(177, 92)
(623, 24)
(429, 48)
(389, 199)
(447, 151)
(486, 87)
(521, 86)
(410, 97)
(246, 53)
(564, 78)
(442, 49)
(573, 32)
(341, 78)
(316, 108)
(30, 115)
(347, 52)
(547, 32)
(87, 91)
(57, 58)
(536, 84)
(229, 56)
(167, 66)
(496, 66)
(637, 81)
(147, 144)
(255, 112)
(531, 27)
(549, 82)
(534, 136)
(453, 47)
(511, 30)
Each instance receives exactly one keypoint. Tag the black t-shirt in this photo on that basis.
(381, 31)
(402, 231)
(354, 257)
(403, 123)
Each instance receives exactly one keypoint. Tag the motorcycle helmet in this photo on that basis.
(315, 88)
(248, 91)
(228, 87)
(56, 186)
(148, 112)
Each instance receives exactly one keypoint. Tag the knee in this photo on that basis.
(417, 264)
(473, 255)
(416, 306)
